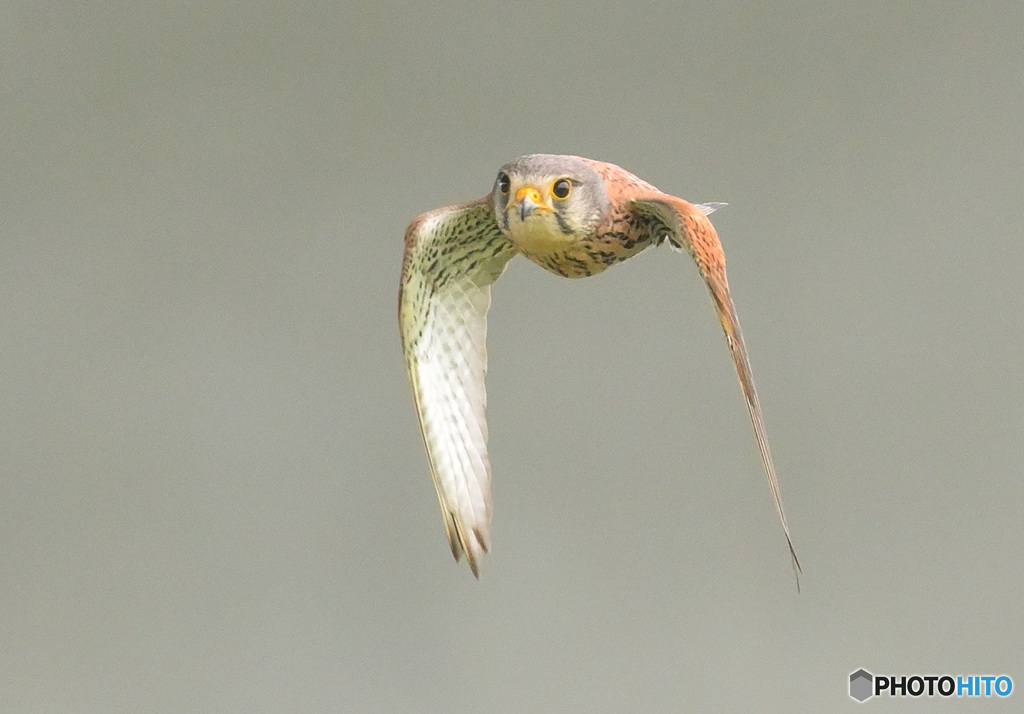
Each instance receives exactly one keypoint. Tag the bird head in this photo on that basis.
(545, 199)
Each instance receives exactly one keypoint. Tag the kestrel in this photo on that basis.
(573, 216)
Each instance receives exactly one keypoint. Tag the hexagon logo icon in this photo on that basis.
(861, 685)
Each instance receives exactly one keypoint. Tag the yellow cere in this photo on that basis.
(530, 191)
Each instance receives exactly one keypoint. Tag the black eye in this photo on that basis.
(503, 183)
(560, 189)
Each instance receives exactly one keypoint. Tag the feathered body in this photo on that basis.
(574, 217)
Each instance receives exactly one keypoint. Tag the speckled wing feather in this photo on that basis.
(687, 227)
(452, 256)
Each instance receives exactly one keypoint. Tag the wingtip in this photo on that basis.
(711, 207)
(474, 544)
(797, 568)
(474, 558)
(475, 550)
(456, 550)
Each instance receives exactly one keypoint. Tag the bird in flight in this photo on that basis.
(574, 217)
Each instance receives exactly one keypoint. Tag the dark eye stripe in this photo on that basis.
(563, 225)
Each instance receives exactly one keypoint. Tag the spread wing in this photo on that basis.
(452, 256)
(687, 226)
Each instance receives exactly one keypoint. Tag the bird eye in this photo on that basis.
(560, 189)
(503, 183)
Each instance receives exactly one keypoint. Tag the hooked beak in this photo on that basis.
(529, 201)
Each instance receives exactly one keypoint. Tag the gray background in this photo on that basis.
(213, 493)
